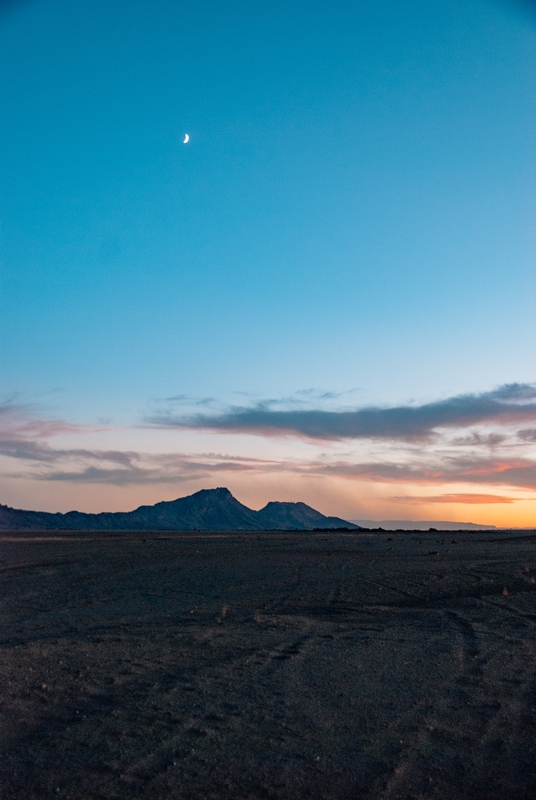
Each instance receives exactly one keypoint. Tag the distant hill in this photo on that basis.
(287, 516)
(207, 510)
(421, 525)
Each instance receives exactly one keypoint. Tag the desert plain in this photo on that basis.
(268, 665)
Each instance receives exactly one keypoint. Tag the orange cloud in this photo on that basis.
(472, 499)
(495, 467)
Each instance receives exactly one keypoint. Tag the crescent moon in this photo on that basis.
(186, 138)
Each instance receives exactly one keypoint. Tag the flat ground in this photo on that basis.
(274, 665)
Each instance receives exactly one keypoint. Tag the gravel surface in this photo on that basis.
(272, 665)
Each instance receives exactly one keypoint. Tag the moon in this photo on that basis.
(186, 138)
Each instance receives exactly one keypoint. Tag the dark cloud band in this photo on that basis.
(512, 403)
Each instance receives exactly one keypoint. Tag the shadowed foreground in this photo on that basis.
(273, 665)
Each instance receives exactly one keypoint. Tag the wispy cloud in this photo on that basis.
(184, 407)
(426, 471)
(509, 404)
(146, 469)
(22, 422)
(471, 499)
(130, 468)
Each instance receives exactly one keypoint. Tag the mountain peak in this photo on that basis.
(297, 516)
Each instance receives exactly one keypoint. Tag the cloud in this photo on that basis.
(142, 468)
(520, 473)
(508, 404)
(124, 467)
(27, 451)
(476, 458)
(472, 499)
(23, 435)
(19, 422)
(478, 439)
(43, 453)
(132, 476)
(152, 469)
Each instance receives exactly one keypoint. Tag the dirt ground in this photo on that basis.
(274, 665)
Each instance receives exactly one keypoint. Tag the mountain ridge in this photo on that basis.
(206, 510)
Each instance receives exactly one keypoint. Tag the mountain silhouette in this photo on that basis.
(207, 510)
(288, 516)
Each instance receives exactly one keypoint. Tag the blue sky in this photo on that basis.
(350, 226)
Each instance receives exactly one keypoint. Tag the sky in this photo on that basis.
(327, 294)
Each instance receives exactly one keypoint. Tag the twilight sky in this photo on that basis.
(327, 295)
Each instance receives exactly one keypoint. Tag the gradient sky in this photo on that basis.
(327, 295)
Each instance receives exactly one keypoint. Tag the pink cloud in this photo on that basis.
(22, 423)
